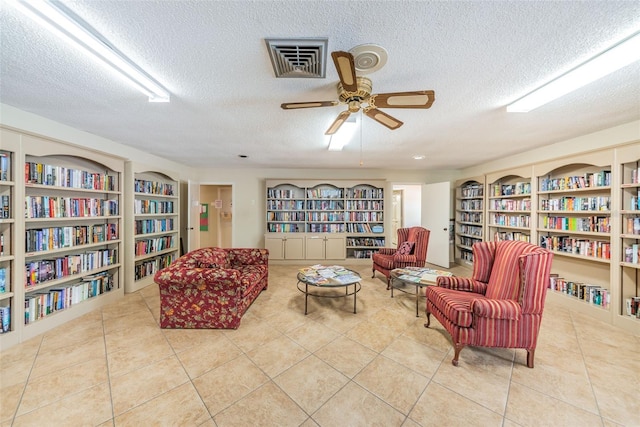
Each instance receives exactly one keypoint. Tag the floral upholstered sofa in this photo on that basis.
(211, 288)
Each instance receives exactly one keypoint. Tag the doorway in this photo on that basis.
(396, 220)
(215, 227)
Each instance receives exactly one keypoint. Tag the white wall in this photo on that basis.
(412, 204)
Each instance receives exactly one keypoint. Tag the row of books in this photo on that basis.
(285, 205)
(364, 205)
(574, 246)
(2, 244)
(326, 228)
(5, 207)
(328, 275)
(577, 204)
(5, 315)
(365, 193)
(470, 229)
(285, 216)
(511, 235)
(284, 228)
(68, 207)
(3, 279)
(325, 193)
(633, 307)
(365, 216)
(152, 206)
(510, 204)
(519, 188)
(587, 180)
(364, 228)
(5, 166)
(153, 187)
(321, 205)
(38, 305)
(632, 254)
(145, 226)
(599, 224)
(633, 226)
(151, 266)
(471, 205)
(325, 216)
(469, 241)
(510, 220)
(59, 176)
(476, 190)
(634, 203)
(46, 239)
(365, 241)
(474, 217)
(634, 176)
(592, 294)
(42, 271)
(148, 246)
(273, 193)
(360, 253)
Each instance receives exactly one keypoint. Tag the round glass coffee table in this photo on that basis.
(311, 279)
(418, 277)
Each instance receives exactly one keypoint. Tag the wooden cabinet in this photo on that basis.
(152, 223)
(338, 219)
(470, 216)
(284, 246)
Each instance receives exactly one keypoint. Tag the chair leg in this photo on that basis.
(457, 348)
(373, 276)
(388, 284)
(530, 354)
(426, 325)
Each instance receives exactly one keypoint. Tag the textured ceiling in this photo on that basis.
(211, 55)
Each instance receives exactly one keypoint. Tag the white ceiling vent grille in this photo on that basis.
(298, 58)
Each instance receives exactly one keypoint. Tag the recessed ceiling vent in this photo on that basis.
(298, 58)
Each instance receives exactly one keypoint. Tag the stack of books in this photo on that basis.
(328, 275)
(424, 275)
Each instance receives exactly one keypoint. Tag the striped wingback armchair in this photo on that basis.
(501, 305)
(413, 243)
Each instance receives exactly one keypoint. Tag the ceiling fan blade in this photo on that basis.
(295, 105)
(383, 118)
(342, 117)
(346, 70)
(418, 99)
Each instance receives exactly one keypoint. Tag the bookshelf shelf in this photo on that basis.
(509, 200)
(9, 300)
(470, 217)
(153, 222)
(330, 212)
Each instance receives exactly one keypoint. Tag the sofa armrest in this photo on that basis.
(496, 308)
(387, 251)
(465, 284)
(186, 280)
(248, 256)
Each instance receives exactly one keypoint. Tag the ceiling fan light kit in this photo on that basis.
(355, 92)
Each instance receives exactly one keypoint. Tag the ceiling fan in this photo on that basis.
(354, 91)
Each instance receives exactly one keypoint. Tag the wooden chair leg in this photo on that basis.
(530, 354)
(373, 276)
(457, 348)
(426, 325)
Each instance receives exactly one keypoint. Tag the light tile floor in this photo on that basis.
(115, 367)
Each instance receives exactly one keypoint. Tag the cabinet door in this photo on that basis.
(315, 247)
(275, 246)
(294, 247)
(334, 247)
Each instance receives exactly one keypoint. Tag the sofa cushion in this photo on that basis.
(455, 305)
(250, 276)
(213, 258)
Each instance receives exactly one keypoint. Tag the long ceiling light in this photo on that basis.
(74, 30)
(618, 56)
(338, 140)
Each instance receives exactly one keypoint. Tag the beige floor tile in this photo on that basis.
(79, 330)
(277, 355)
(310, 383)
(309, 423)
(392, 382)
(183, 339)
(415, 356)
(617, 404)
(59, 384)
(283, 320)
(528, 407)
(11, 395)
(180, 406)
(149, 349)
(26, 350)
(63, 357)
(215, 352)
(360, 407)
(226, 384)
(14, 372)
(252, 334)
(128, 338)
(434, 336)
(139, 386)
(339, 321)
(312, 335)
(266, 406)
(346, 355)
(135, 319)
(373, 336)
(439, 406)
(89, 407)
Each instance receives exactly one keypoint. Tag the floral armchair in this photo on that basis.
(211, 288)
(411, 252)
(501, 305)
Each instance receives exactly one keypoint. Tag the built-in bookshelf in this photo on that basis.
(574, 217)
(71, 234)
(628, 306)
(470, 218)
(153, 223)
(509, 198)
(8, 235)
(340, 219)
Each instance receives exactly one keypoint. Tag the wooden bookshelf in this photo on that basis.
(470, 218)
(152, 225)
(509, 200)
(332, 220)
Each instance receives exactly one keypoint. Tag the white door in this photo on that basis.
(193, 215)
(436, 205)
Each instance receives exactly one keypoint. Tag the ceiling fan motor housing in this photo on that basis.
(353, 99)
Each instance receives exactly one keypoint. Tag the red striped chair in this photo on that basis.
(412, 248)
(501, 305)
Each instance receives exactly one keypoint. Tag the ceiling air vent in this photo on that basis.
(298, 58)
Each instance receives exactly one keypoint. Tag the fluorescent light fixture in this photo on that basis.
(338, 140)
(57, 20)
(419, 157)
(618, 56)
